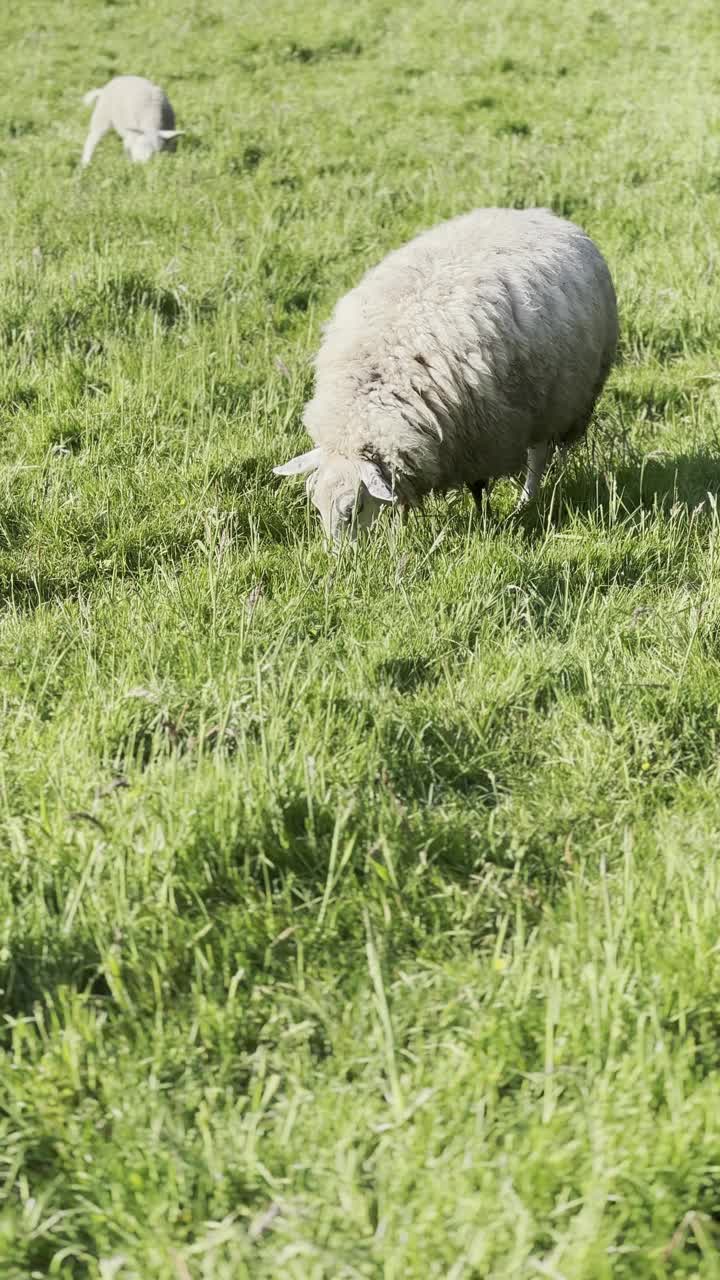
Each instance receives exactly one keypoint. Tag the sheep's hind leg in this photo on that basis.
(537, 458)
(480, 491)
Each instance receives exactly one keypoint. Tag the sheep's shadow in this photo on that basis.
(653, 481)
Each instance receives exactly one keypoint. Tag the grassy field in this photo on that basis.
(358, 918)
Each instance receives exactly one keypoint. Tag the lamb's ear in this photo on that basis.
(170, 133)
(300, 465)
(375, 482)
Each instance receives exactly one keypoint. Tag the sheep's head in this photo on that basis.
(348, 492)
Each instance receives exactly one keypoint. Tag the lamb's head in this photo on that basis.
(144, 143)
(349, 493)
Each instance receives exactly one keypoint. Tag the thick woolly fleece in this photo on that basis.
(480, 339)
(138, 110)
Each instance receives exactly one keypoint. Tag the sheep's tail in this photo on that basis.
(90, 97)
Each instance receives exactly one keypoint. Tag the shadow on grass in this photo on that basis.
(406, 674)
(679, 480)
(38, 967)
(84, 317)
(27, 589)
(441, 759)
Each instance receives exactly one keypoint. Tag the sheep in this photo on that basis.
(138, 110)
(465, 355)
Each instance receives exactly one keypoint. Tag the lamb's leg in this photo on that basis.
(479, 490)
(536, 462)
(96, 134)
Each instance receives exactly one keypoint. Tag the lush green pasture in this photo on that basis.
(358, 917)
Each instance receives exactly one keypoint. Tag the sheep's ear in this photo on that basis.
(300, 465)
(170, 133)
(375, 482)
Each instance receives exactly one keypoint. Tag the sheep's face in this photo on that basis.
(347, 493)
(344, 504)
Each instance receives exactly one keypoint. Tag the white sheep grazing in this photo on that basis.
(138, 110)
(463, 356)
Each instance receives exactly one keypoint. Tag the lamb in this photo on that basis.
(138, 110)
(465, 355)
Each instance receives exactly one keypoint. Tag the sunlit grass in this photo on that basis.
(358, 915)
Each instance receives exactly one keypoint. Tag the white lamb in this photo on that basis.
(463, 356)
(138, 110)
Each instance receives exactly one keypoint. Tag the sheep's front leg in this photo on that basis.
(536, 462)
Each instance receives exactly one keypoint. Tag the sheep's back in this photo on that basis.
(458, 351)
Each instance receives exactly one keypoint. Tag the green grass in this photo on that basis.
(358, 918)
